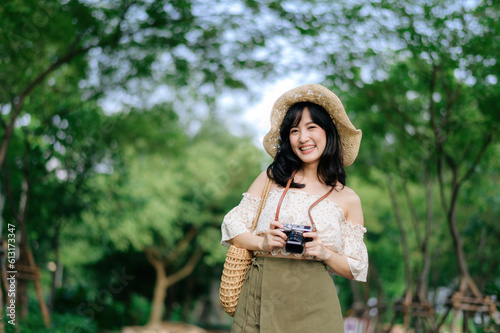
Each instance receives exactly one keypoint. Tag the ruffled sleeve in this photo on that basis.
(239, 219)
(354, 249)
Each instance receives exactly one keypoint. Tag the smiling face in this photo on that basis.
(307, 139)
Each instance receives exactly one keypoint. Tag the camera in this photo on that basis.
(295, 238)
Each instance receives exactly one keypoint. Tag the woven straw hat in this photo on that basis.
(315, 93)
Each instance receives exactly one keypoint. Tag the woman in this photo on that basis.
(311, 140)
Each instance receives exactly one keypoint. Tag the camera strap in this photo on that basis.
(310, 208)
(314, 204)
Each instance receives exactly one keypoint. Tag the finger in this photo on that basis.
(276, 225)
(279, 234)
(315, 254)
(314, 242)
(311, 253)
(311, 234)
(277, 245)
(280, 240)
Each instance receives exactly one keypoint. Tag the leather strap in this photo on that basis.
(283, 195)
(263, 199)
(310, 208)
(314, 204)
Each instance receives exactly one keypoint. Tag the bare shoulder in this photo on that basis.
(350, 196)
(350, 203)
(258, 185)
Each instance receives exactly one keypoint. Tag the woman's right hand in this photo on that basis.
(273, 238)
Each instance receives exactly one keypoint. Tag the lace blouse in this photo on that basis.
(339, 235)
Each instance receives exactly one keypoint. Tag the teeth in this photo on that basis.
(307, 148)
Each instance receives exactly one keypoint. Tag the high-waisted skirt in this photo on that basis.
(288, 295)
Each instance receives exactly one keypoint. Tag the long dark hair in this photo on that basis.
(330, 168)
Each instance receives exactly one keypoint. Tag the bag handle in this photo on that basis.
(262, 203)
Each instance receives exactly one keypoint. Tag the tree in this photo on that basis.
(55, 52)
(48, 169)
(169, 205)
(434, 107)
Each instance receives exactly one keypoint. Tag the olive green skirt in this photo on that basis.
(288, 295)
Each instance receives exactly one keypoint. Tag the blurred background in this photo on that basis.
(130, 128)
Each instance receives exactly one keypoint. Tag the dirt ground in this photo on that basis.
(169, 327)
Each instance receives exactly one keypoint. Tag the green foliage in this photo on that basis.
(163, 194)
(426, 104)
(61, 322)
(140, 308)
(105, 186)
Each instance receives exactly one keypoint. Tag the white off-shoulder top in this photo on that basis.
(339, 235)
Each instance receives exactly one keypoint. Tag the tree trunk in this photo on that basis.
(22, 238)
(358, 305)
(25, 256)
(452, 224)
(159, 295)
(381, 302)
(423, 283)
(2, 263)
(163, 282)
(57, 272)
(413, 211)
(404, 239)
(22, 285)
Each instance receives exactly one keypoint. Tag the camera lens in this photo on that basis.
(296, 236)
(295, 242)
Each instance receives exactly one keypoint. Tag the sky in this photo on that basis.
(257, 115)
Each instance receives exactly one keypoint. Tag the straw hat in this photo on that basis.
(315, 93)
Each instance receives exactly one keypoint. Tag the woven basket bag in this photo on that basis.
(237, 262)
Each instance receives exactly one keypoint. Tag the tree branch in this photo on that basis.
(187, 269)
(480, 254)
(413, 213)
(8, 192)
(432, 105)
(441, 181)
(151, 256)
(71, 54)
(188, 237)
(479, 155)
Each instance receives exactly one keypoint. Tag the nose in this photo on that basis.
(304, 136)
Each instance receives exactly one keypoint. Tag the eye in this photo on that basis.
(293, 130)
(312, 127)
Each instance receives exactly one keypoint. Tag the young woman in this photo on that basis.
(311, 140)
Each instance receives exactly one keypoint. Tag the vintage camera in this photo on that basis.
(295, 238)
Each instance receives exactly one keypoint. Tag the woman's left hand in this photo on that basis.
(316, 248)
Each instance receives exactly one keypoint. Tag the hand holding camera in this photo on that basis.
(316, 249)
(273, 238)
(303, 240)
(295, 237)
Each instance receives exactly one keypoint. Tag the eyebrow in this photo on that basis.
(311, 122)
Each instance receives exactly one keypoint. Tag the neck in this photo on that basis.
(309, 172)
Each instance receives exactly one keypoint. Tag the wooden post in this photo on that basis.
(32, 273)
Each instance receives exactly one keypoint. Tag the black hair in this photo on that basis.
(330, 168)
